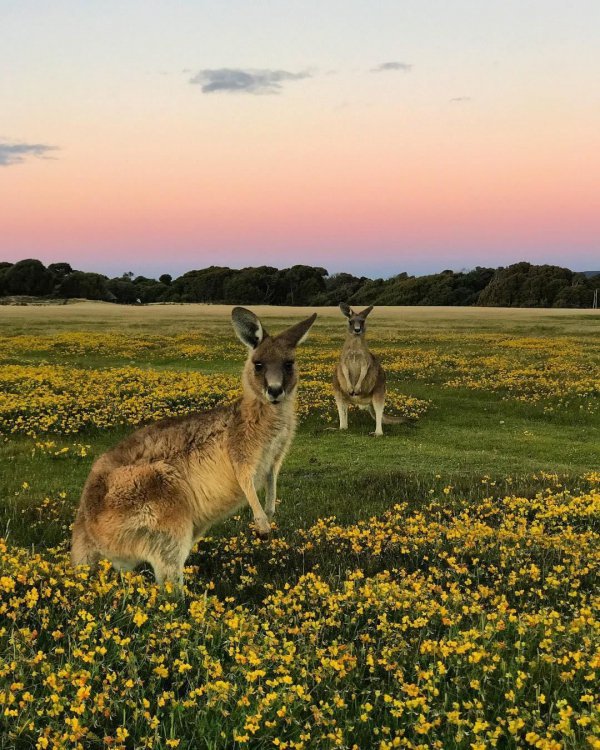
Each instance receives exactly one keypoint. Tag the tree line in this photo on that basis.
(518, 285)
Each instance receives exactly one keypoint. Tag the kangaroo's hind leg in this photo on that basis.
(124, 565)
(146, 518)
(167, 555)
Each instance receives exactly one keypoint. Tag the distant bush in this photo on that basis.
(526, 285)
(87, 285)
(29, 277)
(519, 285)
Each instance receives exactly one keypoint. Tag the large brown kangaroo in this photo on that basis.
(159, 490)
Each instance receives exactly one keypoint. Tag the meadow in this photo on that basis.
(434, 588)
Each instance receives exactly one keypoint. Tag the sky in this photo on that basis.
(374, 137)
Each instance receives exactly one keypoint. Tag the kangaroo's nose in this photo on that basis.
(274, 390)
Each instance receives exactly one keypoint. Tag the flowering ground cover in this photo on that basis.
(436, 588)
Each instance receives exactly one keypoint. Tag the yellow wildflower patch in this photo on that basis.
(471, 625)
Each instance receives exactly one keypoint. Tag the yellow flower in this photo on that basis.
(140, 618)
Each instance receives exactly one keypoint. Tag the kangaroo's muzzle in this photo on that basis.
(275, 393)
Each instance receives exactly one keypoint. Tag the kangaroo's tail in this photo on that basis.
(387, 419)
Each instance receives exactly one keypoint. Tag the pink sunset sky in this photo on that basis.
(373, 137)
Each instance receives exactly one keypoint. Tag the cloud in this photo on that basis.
(244, 81)
(459, 99)
(405, 67)
(16, 153)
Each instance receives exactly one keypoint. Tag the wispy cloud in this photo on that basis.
(245, 80)
(382, 67)
(459, 99)
(16, 153)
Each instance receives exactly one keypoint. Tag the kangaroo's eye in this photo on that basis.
(289, 365)
(258, 366)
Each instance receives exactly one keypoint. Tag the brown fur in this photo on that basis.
(159, 490)
(358, 377)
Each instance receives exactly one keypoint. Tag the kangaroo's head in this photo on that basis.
(357, 322)
(270, 370)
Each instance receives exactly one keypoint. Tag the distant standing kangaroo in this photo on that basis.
(157, 492)
(359, 377)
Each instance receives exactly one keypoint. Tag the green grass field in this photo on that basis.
(427, 625)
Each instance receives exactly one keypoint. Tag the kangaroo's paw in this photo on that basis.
(262, 527)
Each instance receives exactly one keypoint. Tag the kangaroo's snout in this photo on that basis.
(274, 392)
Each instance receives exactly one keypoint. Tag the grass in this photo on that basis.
(512, 412)
(465, 435)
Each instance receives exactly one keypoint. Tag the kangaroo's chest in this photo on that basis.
(355, 360)
(273, 449)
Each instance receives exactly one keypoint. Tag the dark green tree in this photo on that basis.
(85, 285)
(149, 290)
(206, 285)
(253, 286)
(4, 266)
(60, 271)
(29, 277)
(527, 285)
(302, 284)
(124, 290)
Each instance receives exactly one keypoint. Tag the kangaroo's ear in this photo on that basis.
(296, 334)
(365, 312)
(248, 327)
(345, 308)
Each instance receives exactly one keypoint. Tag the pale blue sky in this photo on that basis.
(485, 150)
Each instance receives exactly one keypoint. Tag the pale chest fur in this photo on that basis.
(257, 443)
(355, 356)
(275, 447)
